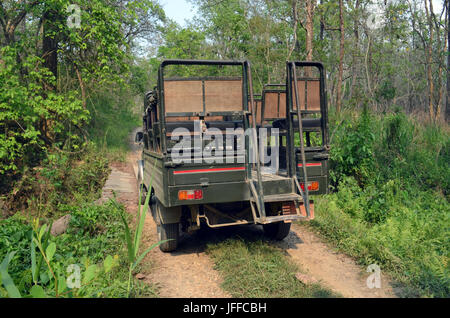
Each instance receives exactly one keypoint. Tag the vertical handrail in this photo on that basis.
(305, 194)
(260, 189)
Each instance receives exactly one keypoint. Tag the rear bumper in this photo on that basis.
(227, 192)
(212, 193)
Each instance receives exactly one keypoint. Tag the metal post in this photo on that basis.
(302, 143)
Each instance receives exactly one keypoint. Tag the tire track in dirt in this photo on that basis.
(331, 269)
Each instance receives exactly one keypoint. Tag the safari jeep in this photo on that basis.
(207, 161)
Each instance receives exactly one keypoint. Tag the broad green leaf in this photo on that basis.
(108, 263)
(37, 292)
(42, 231)
(62, 285)
(9, 285)
(44, 278)
(5, 263)
(50, 252)
(33, 261)
(89, 274)
(6, 280)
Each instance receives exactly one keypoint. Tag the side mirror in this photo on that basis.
(139, 137)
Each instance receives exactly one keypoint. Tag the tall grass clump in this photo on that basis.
(133, 241)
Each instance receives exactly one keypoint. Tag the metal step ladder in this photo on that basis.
(258, 199)
(292, 76)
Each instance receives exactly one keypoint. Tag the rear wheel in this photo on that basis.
(277, 231)
(167, 232)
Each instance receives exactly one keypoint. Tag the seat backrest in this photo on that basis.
(274, 105)
(312, 95)
(204, 95)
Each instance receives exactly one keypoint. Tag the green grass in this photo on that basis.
(256, 269)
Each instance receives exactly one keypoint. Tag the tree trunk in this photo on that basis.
(294, 27)
(309, 26)
(50, 47)
(355, 68)
(322, 24)
(82, 87)
(447, 110)
(341, 58)
(429, 54)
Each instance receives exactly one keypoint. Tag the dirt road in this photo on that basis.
(189, 272)
(334, 270)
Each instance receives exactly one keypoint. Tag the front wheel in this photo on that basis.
(277, 231)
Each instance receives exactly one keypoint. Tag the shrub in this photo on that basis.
(32, 118)
(352, 154)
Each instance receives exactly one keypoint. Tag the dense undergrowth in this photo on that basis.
(390, 206)
(61, 181)
(93, 243)
(114, 117)
(37, 264)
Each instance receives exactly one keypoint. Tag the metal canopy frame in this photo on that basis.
(160, 87)
(292, 98)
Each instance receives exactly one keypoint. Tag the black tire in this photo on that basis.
(277, 231)
(142, 190)
(142, 194)
(152, 207)
(168, 232)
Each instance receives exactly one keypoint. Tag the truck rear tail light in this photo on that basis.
(312, 186)
(185, 195)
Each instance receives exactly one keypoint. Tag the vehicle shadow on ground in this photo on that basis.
(198, 241)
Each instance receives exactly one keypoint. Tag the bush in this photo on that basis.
(352, 153)
(94, 242)
(62, 180)
(32, 118)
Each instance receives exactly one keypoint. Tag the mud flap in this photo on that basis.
(168, 215)
(311, 210)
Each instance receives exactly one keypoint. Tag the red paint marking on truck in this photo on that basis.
(311, 165)
(210, 170)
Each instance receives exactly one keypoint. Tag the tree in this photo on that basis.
(341, 56)
(48, 69)
(447, 111)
